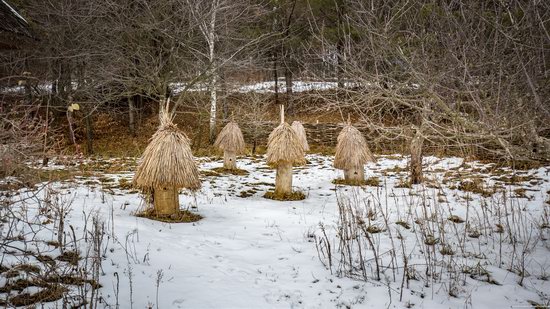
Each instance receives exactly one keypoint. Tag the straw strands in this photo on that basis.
(231, 139)
(351, 151)
(284, 146)
(167, 161)
(301, 133)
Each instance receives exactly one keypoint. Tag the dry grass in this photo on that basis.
(232, 171)
(344, 182)
(210, 173)
(284, 145)
(231, 139)
(247, 193)
(294, 196)
(371, 181)
(301, 132)
(455, 219)
(352, 150)
(403, 224)
(183, 216)
(48, 294)
(475, 185)
(72, 280)
(71, 257)
(167, 161)
(404, 184)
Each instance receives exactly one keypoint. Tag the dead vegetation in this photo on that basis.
(293, 196)
(475, 185)
(449, 245)
(231, 171)
(181, 216)
(433, 230)
(370, 181)
(39, 277)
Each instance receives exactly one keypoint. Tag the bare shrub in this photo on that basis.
(414, 237)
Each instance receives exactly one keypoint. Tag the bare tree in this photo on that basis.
(480, 65)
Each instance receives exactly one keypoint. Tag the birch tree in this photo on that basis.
(208, 29)
(223, 26)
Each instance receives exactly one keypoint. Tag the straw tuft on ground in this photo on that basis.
(352, 150)
(231, 139)
(167, 161)
(283, 145)
(301, 133)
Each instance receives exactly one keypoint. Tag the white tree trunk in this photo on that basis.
(210, 38)
(213, 107)
(162, 105)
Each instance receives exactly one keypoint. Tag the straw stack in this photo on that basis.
(167, 164)
(301, 133)
(284, 149)
(231, 141)
(352, 153)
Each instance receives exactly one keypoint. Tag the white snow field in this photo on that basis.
(178, 87)
(251, 252)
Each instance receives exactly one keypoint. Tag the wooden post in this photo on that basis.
(283, 179)
(229, 160)
(416, 158)
(355, 174)
(166, 201)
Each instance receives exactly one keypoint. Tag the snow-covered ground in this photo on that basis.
(258, 87)
(268, 86)
(251, 252)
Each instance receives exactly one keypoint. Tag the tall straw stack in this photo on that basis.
(301, 133)
(167, 164)
(284, 149)
(284, 146)
(231, 141)
(352, 153)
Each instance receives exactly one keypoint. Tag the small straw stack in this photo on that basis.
(167, 161)
(351, 151)
(284, 145)
(301, 133)
(231, 139)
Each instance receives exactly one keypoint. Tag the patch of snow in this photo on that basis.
(258, 253)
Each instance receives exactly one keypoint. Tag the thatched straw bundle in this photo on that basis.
(301, 132)
(167, 161)
(231, 139)
(351, 151)
(284, 146)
